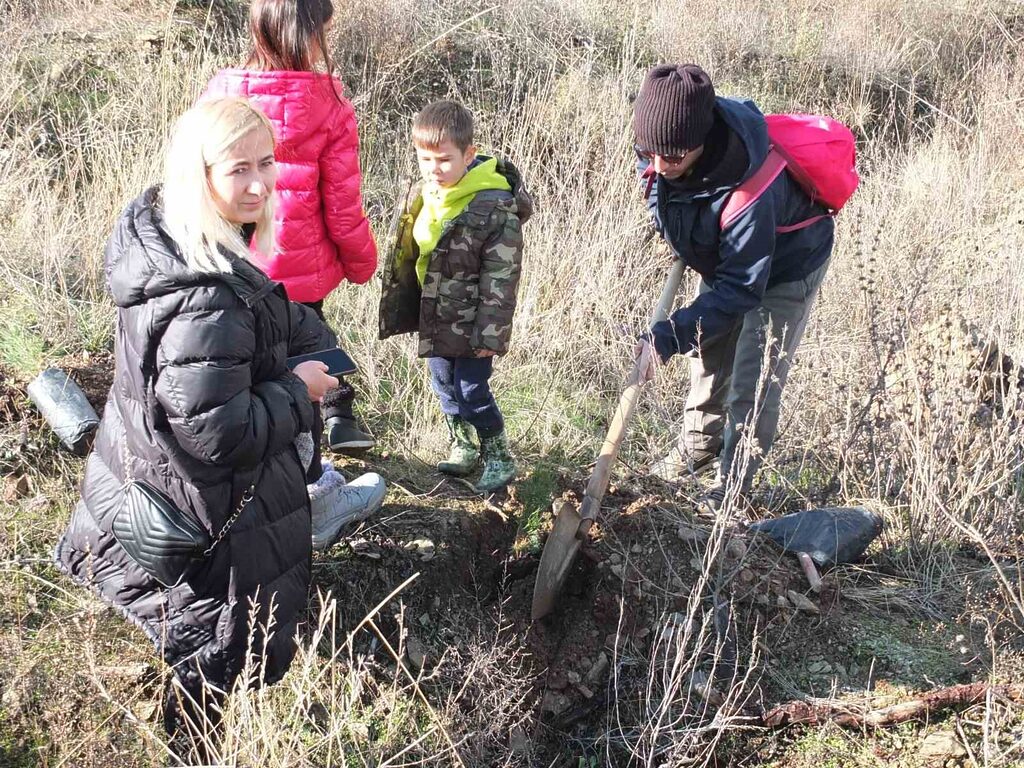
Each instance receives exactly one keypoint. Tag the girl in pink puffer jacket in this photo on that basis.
(322, 233)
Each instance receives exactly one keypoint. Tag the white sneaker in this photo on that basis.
(336, 504)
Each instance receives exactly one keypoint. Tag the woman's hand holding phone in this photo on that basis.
(314, 374)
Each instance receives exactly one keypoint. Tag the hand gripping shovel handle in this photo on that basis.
(624, 413)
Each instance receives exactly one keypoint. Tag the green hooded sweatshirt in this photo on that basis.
(442, 204)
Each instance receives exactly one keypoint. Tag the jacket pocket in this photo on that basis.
(456, 313)
(462, 245)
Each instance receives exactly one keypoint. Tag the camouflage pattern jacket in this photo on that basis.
(469, 293)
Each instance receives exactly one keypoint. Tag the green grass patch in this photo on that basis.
(909, 653)
(535, 491)
(18, 748)
(22, 347)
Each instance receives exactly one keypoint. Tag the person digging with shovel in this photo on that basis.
(761, 240)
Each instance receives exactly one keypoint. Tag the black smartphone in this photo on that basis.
(337, 361)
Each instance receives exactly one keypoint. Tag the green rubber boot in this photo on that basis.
(499, 467)
(464, 454)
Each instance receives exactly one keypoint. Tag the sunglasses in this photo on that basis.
(646, 154)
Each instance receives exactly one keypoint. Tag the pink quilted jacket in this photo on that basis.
(323, 236)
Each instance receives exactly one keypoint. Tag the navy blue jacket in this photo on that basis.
(748, 257)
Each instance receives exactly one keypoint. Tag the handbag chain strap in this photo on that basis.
(242, 504)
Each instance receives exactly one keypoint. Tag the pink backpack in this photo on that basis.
(820, 155)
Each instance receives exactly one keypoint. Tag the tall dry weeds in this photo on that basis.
(88, 90)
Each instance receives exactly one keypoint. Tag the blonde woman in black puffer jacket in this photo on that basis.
(202, 407)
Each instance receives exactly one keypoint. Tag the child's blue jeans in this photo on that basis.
(463, 386)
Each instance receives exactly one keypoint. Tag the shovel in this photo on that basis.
(572, 525)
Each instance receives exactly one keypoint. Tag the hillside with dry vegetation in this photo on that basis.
(419, 650)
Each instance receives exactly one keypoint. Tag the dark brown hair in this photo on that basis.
(287, 33)
(441, 121)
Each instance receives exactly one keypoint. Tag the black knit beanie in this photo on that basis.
(674, 110)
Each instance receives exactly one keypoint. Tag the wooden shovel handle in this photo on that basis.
(624, 413)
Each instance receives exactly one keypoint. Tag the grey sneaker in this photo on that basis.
(337, 504)
(678, 466)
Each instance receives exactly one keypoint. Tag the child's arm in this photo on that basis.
(500, 267)
(340, 184)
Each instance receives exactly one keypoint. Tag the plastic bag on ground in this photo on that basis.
(66, 409)
(829, 535)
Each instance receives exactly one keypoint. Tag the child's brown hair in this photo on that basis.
(289, 34)
(442, 121)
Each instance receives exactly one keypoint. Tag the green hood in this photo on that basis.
(442, 204)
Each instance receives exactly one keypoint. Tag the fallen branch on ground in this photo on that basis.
(807, 713)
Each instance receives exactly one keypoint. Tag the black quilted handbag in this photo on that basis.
(163, 540)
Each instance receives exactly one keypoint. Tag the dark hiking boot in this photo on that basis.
(718, 500)
(463, 455)
(680, 465)
(499, 467)
(345, 436)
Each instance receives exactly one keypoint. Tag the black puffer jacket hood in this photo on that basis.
(146, 262)
(202, 406)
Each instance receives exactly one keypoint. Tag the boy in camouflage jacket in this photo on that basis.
(452, 275)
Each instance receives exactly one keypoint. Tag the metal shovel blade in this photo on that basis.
(556, 559)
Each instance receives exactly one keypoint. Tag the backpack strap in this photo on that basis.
(649, 177)
(747, 193)
(803, 224)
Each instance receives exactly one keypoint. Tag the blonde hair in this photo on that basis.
(203, 136)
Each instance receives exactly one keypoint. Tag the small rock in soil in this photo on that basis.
(691, 535)
(941, 746)
(615, 558)
(557, 680)
(554, 702)
(129, 671)
(736, 548)
(422, 547)
(364, 548)
(17, 487)
(518, 741)
(596, 673)
(146, 710)
(586, 692)
(619, 571)
(416, 651)
(801, 602)
(573, 677)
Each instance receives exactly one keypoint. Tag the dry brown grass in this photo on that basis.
(935, 90)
